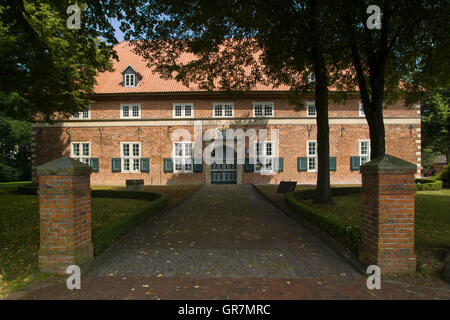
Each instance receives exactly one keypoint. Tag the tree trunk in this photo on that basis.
(376, 129)
(323, 189)
(373, 103)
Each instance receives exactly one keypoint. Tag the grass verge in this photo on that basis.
(112, 217)
(342, 221)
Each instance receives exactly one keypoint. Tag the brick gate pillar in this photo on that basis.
(387, 220)
(65, 215)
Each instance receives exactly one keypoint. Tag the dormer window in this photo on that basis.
(131, 77)
(130, 80)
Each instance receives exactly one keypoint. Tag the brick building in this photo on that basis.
(128, 132)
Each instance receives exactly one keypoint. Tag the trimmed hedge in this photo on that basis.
(309, 193)
(104, 236)
(428, 184)
(350, 237)
(28, 189)
(444, 176)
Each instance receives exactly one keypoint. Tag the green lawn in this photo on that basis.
(432, 217)
(432, 226)
(19, 228)
(175, 193)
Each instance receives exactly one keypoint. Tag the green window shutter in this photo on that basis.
(145, 165)
(332, 163)
(302, 164)
(93, 162)
(280, 164)
(355, 163)
(198, 167)
(115, 164)
(248, 167)
(168, 165)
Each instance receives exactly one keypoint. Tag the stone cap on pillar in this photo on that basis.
(64, 167)
(389, 163)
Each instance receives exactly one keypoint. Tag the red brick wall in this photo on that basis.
(156, 141)
(162, 107)
(65, 222)
(387, 221)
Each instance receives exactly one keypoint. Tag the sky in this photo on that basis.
(119, 34)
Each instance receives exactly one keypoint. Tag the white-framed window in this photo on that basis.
(311, 151)
(264, 153)
(364, 151)
(311, 109)
(130, 154)
(223, 109)
(311, 78)
(361, 109)
(263, 109)
(183, 157)
(130, 111)
(81, 151)
(183, 110)
(129, 80)
(85, 114)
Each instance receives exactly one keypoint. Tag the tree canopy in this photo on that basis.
(436, 122)
(233, 45)
(406, 57)
(44, 66)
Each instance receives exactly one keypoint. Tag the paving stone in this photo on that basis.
(224, 231)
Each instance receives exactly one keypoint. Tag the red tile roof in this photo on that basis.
(111, 82)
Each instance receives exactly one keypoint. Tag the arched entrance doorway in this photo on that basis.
(223, 173)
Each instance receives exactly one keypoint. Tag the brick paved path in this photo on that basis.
(224, 242)
(224, 231)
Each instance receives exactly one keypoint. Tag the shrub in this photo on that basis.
(142, 195)
(444, 176)
(347, 235)
(309, 193)
(8, 174)
(28, 189)
(428, 185)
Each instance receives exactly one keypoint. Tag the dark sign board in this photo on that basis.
(286, 186)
